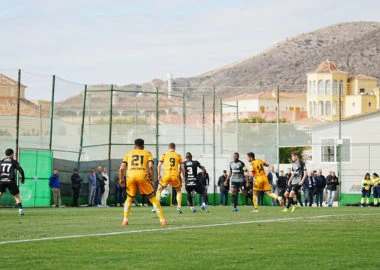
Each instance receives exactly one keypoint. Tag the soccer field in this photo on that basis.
(93, 238)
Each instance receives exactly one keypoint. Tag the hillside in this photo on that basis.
(354, 47)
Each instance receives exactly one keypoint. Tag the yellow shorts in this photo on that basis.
(142, 183)
(261, 184)
(170, 179)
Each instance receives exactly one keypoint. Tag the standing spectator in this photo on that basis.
(54, 184)
(295, 182)
(376, 189)
(272, 178)
(204, 180)
(223, 188)
(8, 178)
(332, 183)
(75, 184)
(320, 183)
(328, 179)
(366, 190)
(99, 185)
(91, 187)
(106, 187)
(309, 188)
(281, 185)
(119, 191)
(238, 179)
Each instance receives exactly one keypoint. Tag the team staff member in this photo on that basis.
(261, 180)
(139, 175)
(8, 178)
(173, 165)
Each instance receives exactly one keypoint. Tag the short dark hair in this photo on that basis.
(236, 153)
(9, 152)
(295, 153)
(251, 154)
(172, 145)
(139, 142)
(224, 171)
(189, 155)
(375, 174)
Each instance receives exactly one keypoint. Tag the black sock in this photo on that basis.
(234, 200)
(190, 199)
(290, 201)
(19, 205)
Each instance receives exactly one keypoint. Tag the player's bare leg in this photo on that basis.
(179, 199)
(157, 205)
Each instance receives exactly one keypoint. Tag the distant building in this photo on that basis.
(359, 93)
(9, 87)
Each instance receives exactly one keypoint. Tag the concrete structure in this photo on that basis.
(359, 94)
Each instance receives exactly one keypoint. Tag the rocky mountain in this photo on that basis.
(353, 46)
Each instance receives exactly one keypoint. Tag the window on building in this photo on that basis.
(353, 104)
(362, 90)
(330, 150)
(321, 90)
(262, 109)
(369, 104)
(328, 88)
(341, 86)
(291, 108)
(335, 88)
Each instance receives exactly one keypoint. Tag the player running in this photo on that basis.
(8, 178)
(192, 182)
(261, 180)
(139, 175)
(173, 165)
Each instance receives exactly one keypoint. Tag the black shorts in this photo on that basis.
(197, 188)
(11, 185)
(238, 185)
(296, 187)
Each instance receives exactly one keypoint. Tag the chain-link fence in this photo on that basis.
(88, 125)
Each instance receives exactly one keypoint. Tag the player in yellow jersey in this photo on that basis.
(173, 166)
(139, 175)
(261, 180)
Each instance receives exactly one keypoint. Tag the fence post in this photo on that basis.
(82, 125)
(18, 113)
(52, 112)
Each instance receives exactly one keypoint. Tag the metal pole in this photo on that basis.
(18, 112)
(340, 140)
(213, 140)
(52, 112)
(203, 125)
(82, 126)
(184, 122)
(157, 125)
(110, 131)
(278, 126)
(40, 113)
(221, 124)
(237, 126)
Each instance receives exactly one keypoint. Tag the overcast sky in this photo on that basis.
(122, 42)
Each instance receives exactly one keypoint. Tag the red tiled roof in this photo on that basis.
(328, 67)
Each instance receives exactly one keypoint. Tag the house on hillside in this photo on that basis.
(359, 93)
(9, 87)
(264, 105)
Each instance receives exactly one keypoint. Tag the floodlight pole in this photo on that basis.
(52, 112)
(18, 113)
(278, 127)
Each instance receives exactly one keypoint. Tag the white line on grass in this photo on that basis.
(171, 228)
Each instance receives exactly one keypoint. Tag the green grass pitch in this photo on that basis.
(93, 238)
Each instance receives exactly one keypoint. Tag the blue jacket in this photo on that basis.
(91, 180)
(54, 181)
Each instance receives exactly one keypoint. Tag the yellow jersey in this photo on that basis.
(257, 168)
(376, 181)
(171, 160)
(137, 162)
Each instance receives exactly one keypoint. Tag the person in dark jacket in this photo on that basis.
(223, 189)
(99, 185)
(320, 183)
(282, 184)
(309, 187)
(331, 187)
(204, 180)
(76, 185)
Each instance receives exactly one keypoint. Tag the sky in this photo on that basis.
(122, 42)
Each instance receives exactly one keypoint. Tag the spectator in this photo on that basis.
(76, 185)
(320, 183)
(54, 184)
(119, 191)
(91, 187)
(281, 185)
(309, 188)
(99, 186)
(376, 189)
(366, 190)
(272, 178)
(204, 180)
(106, 187)
(223, 188)
(332, 184)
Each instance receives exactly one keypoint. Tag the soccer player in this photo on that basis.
(261, 180)
(296, 180)
(139, 175)
(192, 182)
(8, 178)
(173, 165)
(236, 175)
